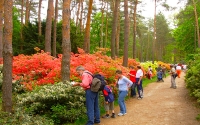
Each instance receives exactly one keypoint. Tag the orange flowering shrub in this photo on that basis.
(42, 68)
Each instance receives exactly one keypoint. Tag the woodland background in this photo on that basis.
(111, 34)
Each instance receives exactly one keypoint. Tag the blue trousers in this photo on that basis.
(139, 88)
(92, 105)
(121, 101)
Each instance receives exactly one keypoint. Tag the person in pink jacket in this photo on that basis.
(92, 98)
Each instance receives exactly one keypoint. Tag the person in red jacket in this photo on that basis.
(132, 74)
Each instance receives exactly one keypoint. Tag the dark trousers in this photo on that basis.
(139, 88)
(133, 90)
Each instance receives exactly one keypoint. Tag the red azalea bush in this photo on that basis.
(42, 68)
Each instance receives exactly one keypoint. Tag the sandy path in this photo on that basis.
(161, 105)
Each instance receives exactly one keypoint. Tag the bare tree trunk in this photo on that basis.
(78, 11)
(197, 24)
(87, 29)
(22, 25)
(102, 23)
(39, 22)
(114, 28)
(66, 44)
(195, 39)
(134, 29)
(55, 28)
(7, 57)
(154, 42)
(1, 27)
(106, 34)
(81, 15)
(48, 27)
(117, 36)
(126, 34)
(27, 12)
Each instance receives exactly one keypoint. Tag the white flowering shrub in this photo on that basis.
(60, 102)
(21, 118)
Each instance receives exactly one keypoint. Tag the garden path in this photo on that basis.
(161, 105)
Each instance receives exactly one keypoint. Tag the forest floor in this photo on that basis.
(161, 105)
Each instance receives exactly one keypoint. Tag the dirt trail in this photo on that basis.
(161, 105)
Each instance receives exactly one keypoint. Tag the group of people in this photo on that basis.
(123, 83)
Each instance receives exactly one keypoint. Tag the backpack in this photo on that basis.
(98, 82)
(108, 93)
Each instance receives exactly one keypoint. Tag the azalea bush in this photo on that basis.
(42, 68)
(60, 102)
(145, 66)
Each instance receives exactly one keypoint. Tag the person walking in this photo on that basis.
(132, 75)
(164, 71)
(173, 77)
(123, 84)
(150, 73)
(139, 76)
(92, 98)
(178, 70)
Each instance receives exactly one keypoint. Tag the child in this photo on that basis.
(109, 101)
(150, 72)
(160, 76)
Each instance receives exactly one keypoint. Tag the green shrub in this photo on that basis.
(192, 78)
(60, 102)
(22, 118)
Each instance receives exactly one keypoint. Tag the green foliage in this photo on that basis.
(21, 118)
(60, 102)
(198, 117)
(192, 77)
(185, 33)
(30, 39)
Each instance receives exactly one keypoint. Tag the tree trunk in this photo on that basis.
(87, 29)
(27, 12)
(114, 28)
(55, 28)
(7, 57)
(81, 16)
(154, 42)
(102, 23)
(134, 29)
(1, 27)
(77, 13)
(106, 34)
(66, 44)
(117, 36)
(126, 34)
(48, 27)
(22, 25)
(39, 22)
(197, 24)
